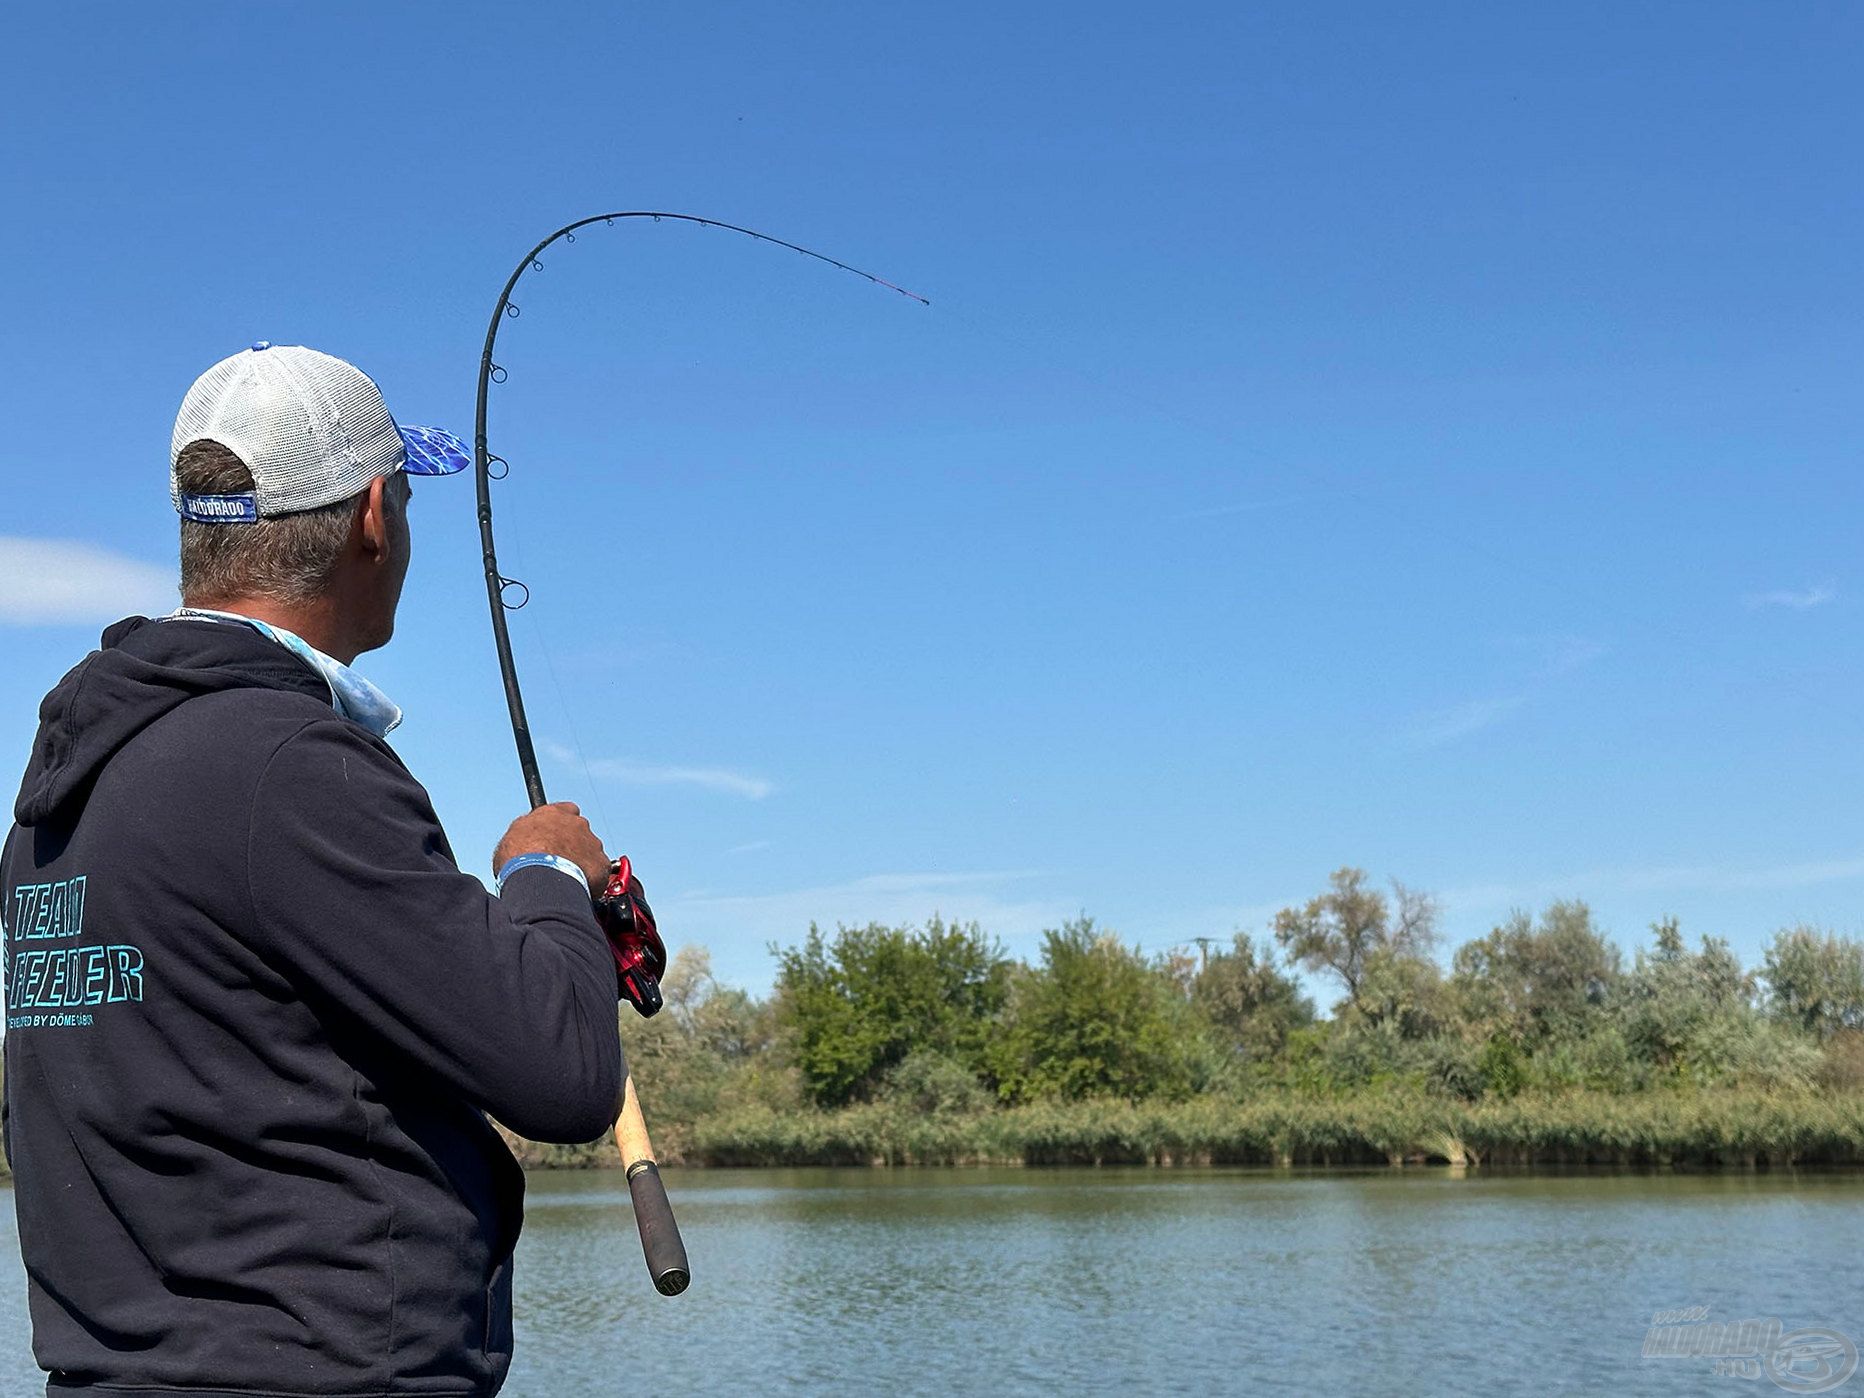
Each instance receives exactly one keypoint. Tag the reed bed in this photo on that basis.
(1723, 1129)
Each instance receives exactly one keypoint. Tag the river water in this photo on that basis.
(1154, 1281)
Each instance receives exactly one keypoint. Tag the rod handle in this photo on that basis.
(661, 1244)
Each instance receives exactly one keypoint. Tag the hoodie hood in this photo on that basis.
(143, 670)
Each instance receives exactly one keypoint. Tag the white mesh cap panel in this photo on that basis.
(312, 429)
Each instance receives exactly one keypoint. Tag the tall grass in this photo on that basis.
(1650, 1129)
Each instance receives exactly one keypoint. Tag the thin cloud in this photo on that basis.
(749, 847)
(52, 582)
(987, 897)
(1218, 921)
(1240, 507)
(710, 778)
(1443, 726)
(1659, 878)
(1565, 654)
(1543, 659)
(1721, 879)
(632, 773)
(1789, 599)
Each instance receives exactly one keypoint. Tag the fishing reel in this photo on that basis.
(633, 938)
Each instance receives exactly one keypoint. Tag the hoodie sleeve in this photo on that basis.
(510, 1000)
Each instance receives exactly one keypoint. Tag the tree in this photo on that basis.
(1095, 1019)
(723, 1020)
(710, 1043)
(1379, 951)
(1539, 985)
(1248, 1001)
(1679, 1009)
(1815, 980)
(1402, 993)
(855, 1007)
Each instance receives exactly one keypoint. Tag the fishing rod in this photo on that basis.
(640, 958)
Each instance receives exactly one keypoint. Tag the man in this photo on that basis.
(256, 1016)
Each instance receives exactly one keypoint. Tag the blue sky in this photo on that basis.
(1425, 439)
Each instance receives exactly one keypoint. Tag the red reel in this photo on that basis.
(633, 938)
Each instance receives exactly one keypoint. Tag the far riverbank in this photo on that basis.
(1724, 1129)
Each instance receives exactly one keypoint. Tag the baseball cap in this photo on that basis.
(311, 428)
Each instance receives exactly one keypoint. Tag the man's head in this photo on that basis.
(292, 483)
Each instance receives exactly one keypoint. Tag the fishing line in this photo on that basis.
(544, 648)
(515, 531)
(1105, 385)
(621, 907)
(509, 594)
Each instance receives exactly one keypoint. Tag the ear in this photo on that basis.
(372, 521)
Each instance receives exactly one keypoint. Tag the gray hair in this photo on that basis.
(288, 557)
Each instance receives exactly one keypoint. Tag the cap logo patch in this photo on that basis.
(220, 509)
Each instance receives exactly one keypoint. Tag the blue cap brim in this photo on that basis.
(431, 452)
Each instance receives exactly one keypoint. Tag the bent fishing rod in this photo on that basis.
(639, 955)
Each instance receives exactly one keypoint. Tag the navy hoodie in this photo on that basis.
(256, 1019)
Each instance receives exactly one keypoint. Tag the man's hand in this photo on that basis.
(559, 829)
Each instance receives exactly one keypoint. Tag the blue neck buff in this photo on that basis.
(350, 694)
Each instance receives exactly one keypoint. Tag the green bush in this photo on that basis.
(1503, 1066)
(854, 1007)
(1095, 1019)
